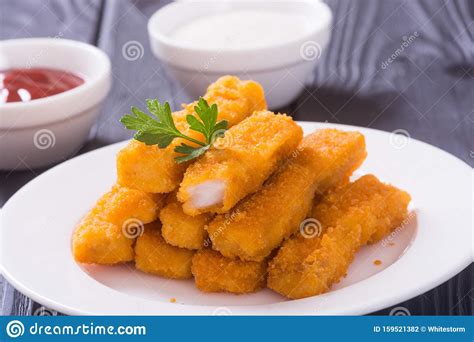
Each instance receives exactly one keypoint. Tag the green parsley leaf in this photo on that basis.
(159, 127)
(189, 152)
(195, 124)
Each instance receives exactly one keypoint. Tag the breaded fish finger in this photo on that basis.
(182, 230)
(99, 242)
(263, 220)
(354, 215)
(151, 169)
(153, 255)
(223, 176)
(106, 234)
(215, 273)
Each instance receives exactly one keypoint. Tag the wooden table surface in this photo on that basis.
(427, 90)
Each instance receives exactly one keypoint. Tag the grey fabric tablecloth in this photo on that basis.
(428, 90)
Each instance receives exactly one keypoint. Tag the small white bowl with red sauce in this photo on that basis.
(51, 91)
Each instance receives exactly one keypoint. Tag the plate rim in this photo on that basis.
(374, 306)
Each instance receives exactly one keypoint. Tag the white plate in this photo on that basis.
(436, 243)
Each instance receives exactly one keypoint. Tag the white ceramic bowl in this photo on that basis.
(48, 130)
(282, 68)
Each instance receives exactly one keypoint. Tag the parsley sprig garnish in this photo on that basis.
(159, 127)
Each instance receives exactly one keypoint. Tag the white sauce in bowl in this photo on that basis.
(242, 29)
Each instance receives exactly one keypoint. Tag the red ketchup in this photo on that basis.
(24, 85)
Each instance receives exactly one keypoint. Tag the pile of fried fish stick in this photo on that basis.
(263, 207)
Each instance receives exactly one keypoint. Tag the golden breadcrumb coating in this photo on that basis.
(98, 242)
(182, 230)
(253, 151)
(151, 169)
(106, 234)
(352, 216)
(388, 206)
(235, 99)
(259, 223)
(153, 255)
(216, 273)
(121, 204)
